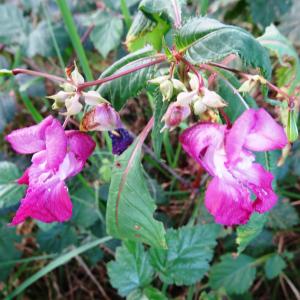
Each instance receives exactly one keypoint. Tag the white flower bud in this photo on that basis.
(166, 89)
(187, 98)
(159, 80)
(73, 105)
(178, 85)
(199, 107)
(212, 99)
(76, 77)
(93, 98)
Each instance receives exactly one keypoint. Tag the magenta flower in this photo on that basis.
(226, 155)
(58, 155)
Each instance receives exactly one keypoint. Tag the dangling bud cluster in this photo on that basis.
(199, 100)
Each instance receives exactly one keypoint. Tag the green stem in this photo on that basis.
(55, 44)
(37, 117)
(75, 38)
(164, 288)
(126, 14)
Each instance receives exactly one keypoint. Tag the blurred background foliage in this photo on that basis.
(33, 35)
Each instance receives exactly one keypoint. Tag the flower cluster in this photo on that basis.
(57, 155)
(227, 155)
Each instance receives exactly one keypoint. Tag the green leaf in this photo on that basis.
(10, 191)
(130, 206)
(8, 107)
(107, 34)
(290, 23)
(119, 90)
(131, 269)
(59, 261)
(57, 238)
(265, 12)
(204, 40)
(235, 275)
(189, 252)
(8, 250)
(13, 25)
(144, 31)
(159, 110)
(277, 218)
(40, 41)
(162, 10)
(247, 233)
(148, 293)
(274, 266)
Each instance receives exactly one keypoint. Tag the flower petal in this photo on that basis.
(254, 130)
(30, 139)
(201, 142)
(228, 202)
(260, 182)
(56, 144)
(47, 203)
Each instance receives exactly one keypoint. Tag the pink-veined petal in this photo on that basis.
(202, 141)
(254, 130)
(56, 144)
(47, 203)
(30, 139)
(266, 134)
(260, 182)
(81, 144)
(228, 202)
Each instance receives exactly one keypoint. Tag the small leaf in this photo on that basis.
(57, 238)
(130, 206)
(13, 25)
(190, 250)
(277, 218)
(148, 293)
(204, 40)
(274, 266)
(247, 233)
(235, 275)
(160, 108)
(119, 90)
(103, 41)
(10, 191)
(131, 269)
(8, 250)
(265, 12)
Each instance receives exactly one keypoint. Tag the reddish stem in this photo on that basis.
(225, 117)
(120, 74)
(248, 76)
(38, 74)
(195, 71)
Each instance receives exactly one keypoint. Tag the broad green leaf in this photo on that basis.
(235, 275)
(107, 34)
(57, 238)
(59, 261)
(8, 109)
(119, 90)
(10, 191)
(274, 266)
(189, 252)
(162, 10)
(247, 233)
(13, 25)
(148, 293)
(283, 216)
(144, 31)
(204, 40)
(8, 250)
(159, 110)
(152, 22)
(131, 269)
(40, 42)
(130, 206)
(265, 12)
(288, 57)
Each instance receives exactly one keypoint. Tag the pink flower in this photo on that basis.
(226, 155)
(58, 155)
